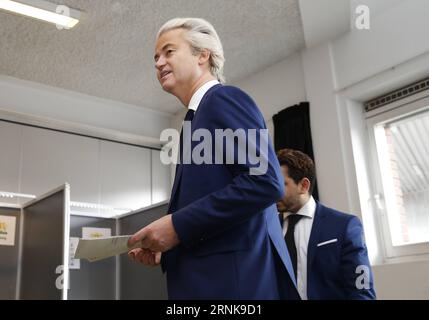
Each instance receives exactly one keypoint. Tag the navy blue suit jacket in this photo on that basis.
(231, 244)
(334, 270)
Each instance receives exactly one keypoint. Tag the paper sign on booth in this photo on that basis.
(96, 233)
(7, 230)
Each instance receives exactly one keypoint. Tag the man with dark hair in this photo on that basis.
(327, 247)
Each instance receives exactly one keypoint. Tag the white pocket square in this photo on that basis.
(327, 242)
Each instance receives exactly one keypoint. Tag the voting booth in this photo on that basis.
(135, 280)
(10, 219)
(116, 277)
(36, 242)
(35, 247)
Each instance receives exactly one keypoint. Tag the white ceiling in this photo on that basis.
(110, 53)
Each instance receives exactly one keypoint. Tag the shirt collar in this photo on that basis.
(199, 94)
(308, 210)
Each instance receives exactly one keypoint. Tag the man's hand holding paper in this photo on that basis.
(102, 248)
(157, 237)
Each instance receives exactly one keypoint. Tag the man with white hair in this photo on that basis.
(221, 238)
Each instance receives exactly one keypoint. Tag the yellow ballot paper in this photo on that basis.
(102, 248)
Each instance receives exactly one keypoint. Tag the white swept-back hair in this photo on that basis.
(201, 35)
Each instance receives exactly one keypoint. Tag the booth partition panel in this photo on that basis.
(92, 280)
(9, 253)
(138, 282)
(45, 245)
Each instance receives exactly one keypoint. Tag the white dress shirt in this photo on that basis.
(302, 237)
(199, 94)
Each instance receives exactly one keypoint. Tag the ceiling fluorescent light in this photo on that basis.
(43, 10)
(16, 195)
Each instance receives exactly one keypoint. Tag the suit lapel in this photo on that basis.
(274, 229)
(315, 235)
(176, 183)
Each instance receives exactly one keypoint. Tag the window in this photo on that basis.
(399, 141)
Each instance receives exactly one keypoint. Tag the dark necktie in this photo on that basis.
(189, 117)
(290, 239)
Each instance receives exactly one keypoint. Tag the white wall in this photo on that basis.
(52, 103)
(124, 175)
(340, 75)
(402, 281)
(396, 35)
(35, 161)
(326, 133)
(276, 88)
(177, 119)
